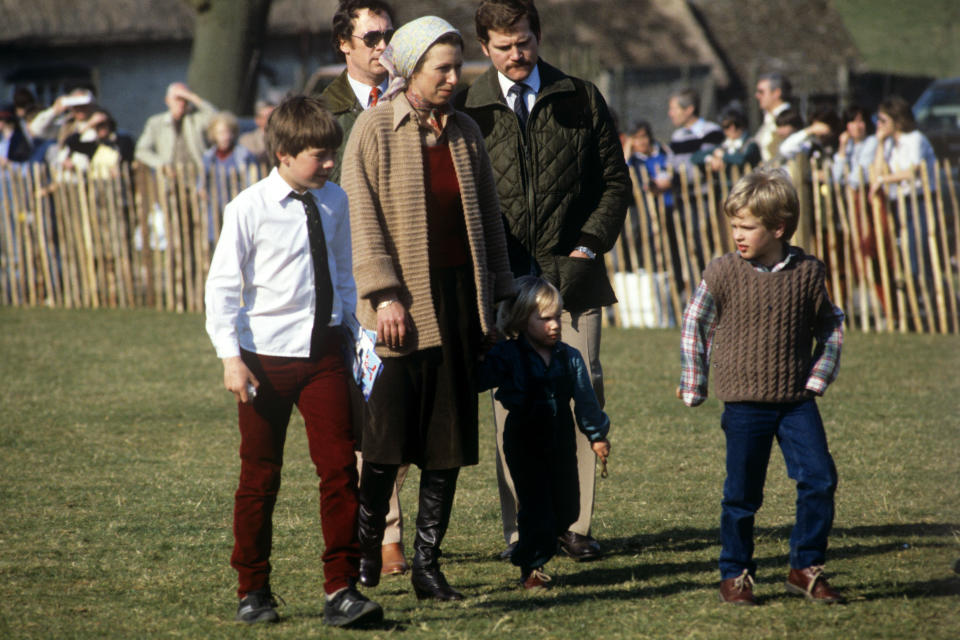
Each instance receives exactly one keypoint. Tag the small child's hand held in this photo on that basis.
(602, 449)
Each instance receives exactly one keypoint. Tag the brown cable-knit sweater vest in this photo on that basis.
(763, 343)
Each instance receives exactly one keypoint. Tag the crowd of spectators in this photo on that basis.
(77, 133)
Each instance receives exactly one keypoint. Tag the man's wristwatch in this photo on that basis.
(587, 250)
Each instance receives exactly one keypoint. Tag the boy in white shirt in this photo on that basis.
(279, 287)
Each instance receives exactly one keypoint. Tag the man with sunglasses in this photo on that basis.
(361, 31)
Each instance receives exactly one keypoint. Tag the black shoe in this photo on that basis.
(580, 547)
(370, 569)
(350, 608)
(429, 582)
(257, 606)
(507, 553)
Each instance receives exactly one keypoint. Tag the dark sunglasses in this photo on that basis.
(373, 38)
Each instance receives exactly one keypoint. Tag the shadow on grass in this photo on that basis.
(696, 539)
(847, 543)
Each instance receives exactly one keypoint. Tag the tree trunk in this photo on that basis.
(227, 45)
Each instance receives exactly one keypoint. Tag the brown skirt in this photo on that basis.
(423, 409)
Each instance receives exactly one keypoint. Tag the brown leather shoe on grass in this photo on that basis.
(738, 590)
(394, 563)
(535, 581)
(812, 585)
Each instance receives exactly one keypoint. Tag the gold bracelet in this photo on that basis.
(385, 304)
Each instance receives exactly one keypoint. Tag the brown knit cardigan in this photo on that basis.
(383, 176)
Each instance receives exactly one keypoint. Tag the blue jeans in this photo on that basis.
(750, 428)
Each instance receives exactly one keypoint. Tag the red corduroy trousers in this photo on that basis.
(318, 387)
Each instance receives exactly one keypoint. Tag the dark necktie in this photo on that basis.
(321, 270)
(519, 103)
(374, 97)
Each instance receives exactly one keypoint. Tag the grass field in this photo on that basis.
(118, 464)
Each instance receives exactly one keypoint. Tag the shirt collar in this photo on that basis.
(792, 254)
(278, 190)
(362, 90)
(532, 81)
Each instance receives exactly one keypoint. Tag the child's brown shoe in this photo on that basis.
(536, 580)
(738, 590)
(812, 585)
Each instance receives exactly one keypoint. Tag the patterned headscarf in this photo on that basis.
(407, 46)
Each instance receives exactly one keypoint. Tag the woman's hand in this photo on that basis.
(489, 339)
(393, 323)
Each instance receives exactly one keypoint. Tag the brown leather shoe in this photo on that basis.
(812, 585)
(580, 547)
(738, 590)
(536, 580)
(394, 563)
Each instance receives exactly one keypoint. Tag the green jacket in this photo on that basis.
(342, 102)
(562, 183)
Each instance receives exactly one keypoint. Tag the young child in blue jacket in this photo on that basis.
(536, 376)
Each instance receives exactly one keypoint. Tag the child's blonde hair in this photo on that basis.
(770, 196)
(533, 294)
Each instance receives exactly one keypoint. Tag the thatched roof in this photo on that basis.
(804, 39)
(618, 32)
(630, 33)
(71, 22)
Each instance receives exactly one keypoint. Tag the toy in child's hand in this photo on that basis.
(603, 468)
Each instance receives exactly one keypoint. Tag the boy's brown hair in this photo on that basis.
(769, 195)
(301, 122)
(502, 15)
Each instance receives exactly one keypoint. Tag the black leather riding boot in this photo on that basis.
(376, 485)
(437, 489)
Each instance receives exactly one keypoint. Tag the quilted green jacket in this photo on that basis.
(340, 99)
(562, 183)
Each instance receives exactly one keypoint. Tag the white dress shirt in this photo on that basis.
(260, 291)
(362, 91)
(532, 81)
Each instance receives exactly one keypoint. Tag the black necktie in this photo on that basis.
(321, 270)
(519, 103)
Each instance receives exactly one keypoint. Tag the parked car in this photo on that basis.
(937, 111)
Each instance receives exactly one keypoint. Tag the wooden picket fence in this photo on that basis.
(136, 238)
(144, 239)
(865, 244)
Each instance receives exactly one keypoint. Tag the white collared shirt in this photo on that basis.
(260, 291)
(532, 81)
(362, 91)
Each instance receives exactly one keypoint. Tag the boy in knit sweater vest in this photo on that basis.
(762, 314)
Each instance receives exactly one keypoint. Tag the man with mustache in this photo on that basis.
(564, 189)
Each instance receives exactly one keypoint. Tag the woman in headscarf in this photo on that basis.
(430, 261)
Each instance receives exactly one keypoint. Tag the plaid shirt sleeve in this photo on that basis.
(826, 356)
(696, 335)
